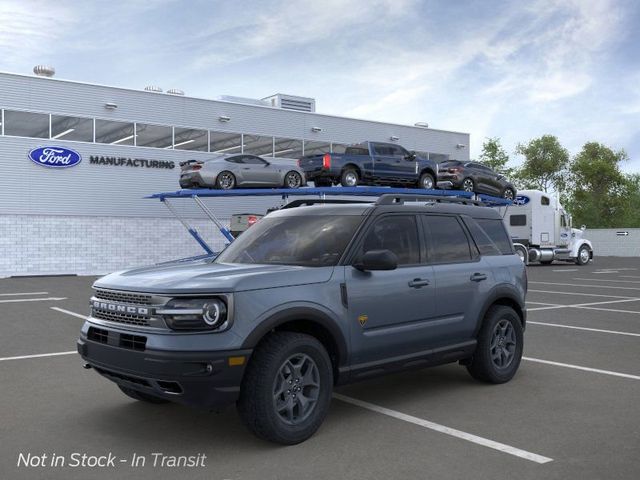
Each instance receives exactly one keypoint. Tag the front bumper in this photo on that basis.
(200, 379)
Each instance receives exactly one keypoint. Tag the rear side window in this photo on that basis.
(398, 233)
(357, 151)
(518, 220)
(494, 228)
(449, 243)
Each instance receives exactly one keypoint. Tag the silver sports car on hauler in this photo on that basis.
(231, 171)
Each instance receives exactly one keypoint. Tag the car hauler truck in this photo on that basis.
(541, 230)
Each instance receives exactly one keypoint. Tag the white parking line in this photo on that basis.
(73, 314)
(23, 293)
(588, 286)
(40, 355)
(48, 299)
(586, 305)
(566, 270)
(629, 276)
(598, 330)
(609, 310)
(540, 303)
(446, 430)
(586, 369)
(612, 281)
(580, 294)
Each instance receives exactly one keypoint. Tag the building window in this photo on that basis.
(287, 148)
(71, 128)
(316, 148)
(338, 147)
(156, 136)
(258, 145)
(115, 133)
(26, 124)
(190, 139)
(225, 143)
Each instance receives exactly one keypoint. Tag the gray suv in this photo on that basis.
(310, 298)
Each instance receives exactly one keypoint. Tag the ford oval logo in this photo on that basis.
(521, 200)
(55, 157)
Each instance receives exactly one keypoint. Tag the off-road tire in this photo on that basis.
(482, 366)
(257, 406)
(141, 396)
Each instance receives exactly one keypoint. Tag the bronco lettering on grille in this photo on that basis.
(114, 307)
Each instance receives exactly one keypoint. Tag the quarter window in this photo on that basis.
(397, 233)
(449, 243)
(494, 228)
(518, 220)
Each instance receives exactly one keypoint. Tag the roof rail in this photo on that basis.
(320, 201)
(390, 199)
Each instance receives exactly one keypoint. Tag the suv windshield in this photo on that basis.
(312, 241)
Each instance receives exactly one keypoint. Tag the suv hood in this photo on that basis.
(204, 277)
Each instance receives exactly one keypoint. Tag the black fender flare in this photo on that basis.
(502, 292)
(305, 313)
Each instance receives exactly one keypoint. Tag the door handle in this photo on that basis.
(418, 282)
(478, 277)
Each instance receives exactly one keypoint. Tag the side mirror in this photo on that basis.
(583, 228)
(411, 156)
(377, 260)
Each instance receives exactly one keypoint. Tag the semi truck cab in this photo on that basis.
(542, 231)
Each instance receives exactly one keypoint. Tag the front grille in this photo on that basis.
(98, 335)
(133, 342)
(124, 297)
(127, 318)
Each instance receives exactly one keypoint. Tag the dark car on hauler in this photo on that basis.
(371, 163)
(475, 177)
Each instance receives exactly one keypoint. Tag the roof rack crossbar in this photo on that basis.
(390, 199)
(320, 201)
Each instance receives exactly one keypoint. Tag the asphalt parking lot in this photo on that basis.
(572, 411)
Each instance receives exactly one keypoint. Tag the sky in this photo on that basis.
(508, 69)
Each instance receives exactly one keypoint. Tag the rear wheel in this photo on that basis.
(141, 396)
(286, 390)
(468, 185)
(293, 179)
(584, 255)
(349, 178)
(426, 181)
(499, 350)
(225, 180)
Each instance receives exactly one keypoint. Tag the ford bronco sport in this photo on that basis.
(310, 298)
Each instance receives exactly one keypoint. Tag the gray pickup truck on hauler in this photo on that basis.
(309, 298)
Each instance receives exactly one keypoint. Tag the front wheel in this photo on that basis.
(286, 390)
(225, 180)
(426, 181)
(499, 350)
(584, 255)
(508, 194)
(293, 180)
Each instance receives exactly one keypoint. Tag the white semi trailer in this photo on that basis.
(542, 232)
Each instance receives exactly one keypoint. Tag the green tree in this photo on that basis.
(600, 193)
(545, 164)
(493, 155)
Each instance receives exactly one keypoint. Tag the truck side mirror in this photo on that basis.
(377, 260)
(411, 156)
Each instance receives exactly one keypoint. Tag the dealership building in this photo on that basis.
(92, 218)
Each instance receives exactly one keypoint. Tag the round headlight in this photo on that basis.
(214, 313)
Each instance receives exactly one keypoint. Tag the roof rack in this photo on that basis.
(391, 199)
(319, 201)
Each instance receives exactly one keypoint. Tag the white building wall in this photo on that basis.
(52, 244)
(608, 242)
